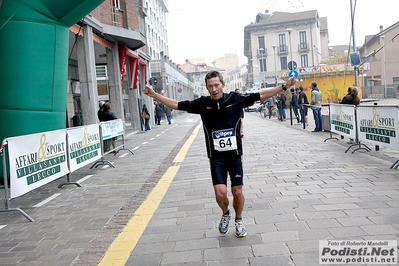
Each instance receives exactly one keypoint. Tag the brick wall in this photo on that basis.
(103, 12)
(132, 14)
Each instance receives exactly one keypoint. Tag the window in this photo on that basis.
(303, 43)
(262, 63)
(367, 81)
(283, 62)
(377, 80)
(116, 3)
(304, 60)
(115, 13)
(282, 43)
(261, 44)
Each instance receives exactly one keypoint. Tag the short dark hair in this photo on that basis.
(106, 106)
(314, 84)
(300, 88)
(213, 74)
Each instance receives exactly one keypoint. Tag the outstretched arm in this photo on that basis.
(169, 102)
(267, 93)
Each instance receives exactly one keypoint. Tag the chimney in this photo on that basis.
(381, 28)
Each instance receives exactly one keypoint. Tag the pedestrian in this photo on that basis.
(100, 111)
(348, 98)
(158, 113)
(355, 93)
(270, 105)
(294, 104)
(146, 116)
(221, 113)
(282, 106)
(303, 104)
(77, 119)
(168, 113)
(108, 115)
(351, 98)
(100, 116)
(315, 105)
(242, 117)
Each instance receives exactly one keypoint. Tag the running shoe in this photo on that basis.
(224, 224)
(240, 229)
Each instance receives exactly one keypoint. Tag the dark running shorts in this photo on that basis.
(231, 165)
(305, 109)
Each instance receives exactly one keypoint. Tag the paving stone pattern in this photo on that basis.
(299, 189)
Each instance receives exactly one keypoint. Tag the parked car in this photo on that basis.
(256, 105)
(253, 107)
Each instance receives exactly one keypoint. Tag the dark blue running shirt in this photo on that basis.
(221, 121)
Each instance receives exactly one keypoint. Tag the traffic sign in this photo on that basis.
(153, 81)
(292, 65)
(293, 73)
(355, 59)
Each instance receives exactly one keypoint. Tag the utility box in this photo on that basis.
(325, 123)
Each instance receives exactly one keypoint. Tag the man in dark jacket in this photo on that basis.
(303, 104)
(294, 104)
(158, 112)
(221, 114)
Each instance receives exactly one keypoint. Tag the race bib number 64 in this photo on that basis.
(224, 140)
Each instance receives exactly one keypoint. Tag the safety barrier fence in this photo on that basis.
(366, 123)
(31, 161)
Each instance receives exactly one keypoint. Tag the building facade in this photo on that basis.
(236, 79)
(380, 51)
(110, 55)
(196, 73)
(278, 40)
(108, 61)
(157, 31)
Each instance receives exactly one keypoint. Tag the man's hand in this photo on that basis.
(290, 82)
(149, 91)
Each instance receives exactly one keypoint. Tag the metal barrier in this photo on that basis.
(329, 112)
(343, 120)
(109, 131)
(83, 147)
(38, 159)
(7, 190)
(378, 124)
(372, 123)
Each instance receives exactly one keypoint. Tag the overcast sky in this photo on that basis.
(210, 28)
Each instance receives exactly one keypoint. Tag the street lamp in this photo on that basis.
(275, 66)
(262, 68)
(385, 66)
(292, 68)
(289, 35)
(356, 68)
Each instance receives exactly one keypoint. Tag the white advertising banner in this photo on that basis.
(379, 125)
(84, 145)
(112, 128)
(36, 160)
(343, 120)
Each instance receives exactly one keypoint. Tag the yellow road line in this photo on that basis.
(119, 251)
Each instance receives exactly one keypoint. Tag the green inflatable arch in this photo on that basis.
(34, 63)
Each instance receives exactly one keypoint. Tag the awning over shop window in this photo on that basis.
(135, 65)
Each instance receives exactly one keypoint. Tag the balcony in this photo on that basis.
(303, 48)
(116, 16)
(282, 50)
(261, 52)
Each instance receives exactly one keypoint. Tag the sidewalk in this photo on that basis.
(299, 189)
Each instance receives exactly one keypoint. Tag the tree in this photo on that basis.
(337, 58)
